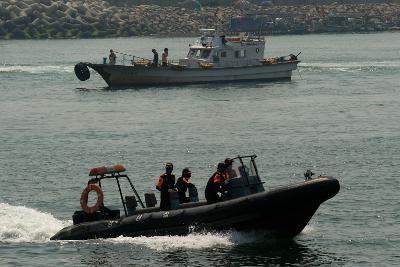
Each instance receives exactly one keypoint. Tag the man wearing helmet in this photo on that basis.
(183, 184)
(166, 182)
(215, 184)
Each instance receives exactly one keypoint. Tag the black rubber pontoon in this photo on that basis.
(283, 212)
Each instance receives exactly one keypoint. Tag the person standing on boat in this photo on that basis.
(183, 184)
(164, 58)
(112, 57)
(155, 58)
(215, 184)
(165, 183)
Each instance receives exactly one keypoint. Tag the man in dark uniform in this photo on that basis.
(165, 183)
(215, 184)
(183, 184)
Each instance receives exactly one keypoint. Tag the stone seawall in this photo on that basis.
(34, 19)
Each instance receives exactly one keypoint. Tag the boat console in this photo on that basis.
(243, 178)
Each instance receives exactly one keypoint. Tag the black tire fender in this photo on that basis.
(82, 71)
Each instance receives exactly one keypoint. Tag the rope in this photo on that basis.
(133, 56)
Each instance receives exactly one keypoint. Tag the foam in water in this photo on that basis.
(22, 224)
(191, 241)
(36, 69)
(308, 229)
(366, 66)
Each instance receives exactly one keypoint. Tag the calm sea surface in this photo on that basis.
(338, 116)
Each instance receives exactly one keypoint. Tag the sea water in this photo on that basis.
(339, 116)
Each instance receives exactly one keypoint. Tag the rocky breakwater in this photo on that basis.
(33, 19)
(329, 18)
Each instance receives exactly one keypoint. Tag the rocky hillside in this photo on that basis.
(23, 19)
(96, 18)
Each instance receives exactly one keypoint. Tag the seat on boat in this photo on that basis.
(80, 216)
(150, 199)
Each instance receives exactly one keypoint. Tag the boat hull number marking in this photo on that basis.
(166, 214)
(139, 217)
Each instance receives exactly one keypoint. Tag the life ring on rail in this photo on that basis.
(85, 195)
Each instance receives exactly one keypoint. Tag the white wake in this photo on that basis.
(22, 224)
(36, 69)
(191, 241)
(362, 66)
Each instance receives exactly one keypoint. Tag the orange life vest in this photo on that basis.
(219, 178)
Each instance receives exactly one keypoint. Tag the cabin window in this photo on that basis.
(191, 53)
(239, 54)
(215, 57)
(223, 53)
(194, 53)
(206, 53)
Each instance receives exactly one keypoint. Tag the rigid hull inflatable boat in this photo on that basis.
(282, 212)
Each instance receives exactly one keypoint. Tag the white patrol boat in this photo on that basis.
(212, 58)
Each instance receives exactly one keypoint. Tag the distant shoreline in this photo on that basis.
(196, 35)
(75, 19)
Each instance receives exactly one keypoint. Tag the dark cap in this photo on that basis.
(228, 161)
(169, 165)
(153, 50)
(185, 170)
(221, 167)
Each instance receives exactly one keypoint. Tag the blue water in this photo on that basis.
(338, 116)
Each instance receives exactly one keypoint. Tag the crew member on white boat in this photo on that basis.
(155, 58)
(112, 57)
(164, 58)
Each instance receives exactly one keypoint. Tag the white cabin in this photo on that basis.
(213, 51)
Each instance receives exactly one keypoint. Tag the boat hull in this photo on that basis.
(282, 212)
(139, 75)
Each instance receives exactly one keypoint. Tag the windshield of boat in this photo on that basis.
(237, 169)
(199, 53)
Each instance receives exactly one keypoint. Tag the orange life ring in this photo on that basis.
(85, 195)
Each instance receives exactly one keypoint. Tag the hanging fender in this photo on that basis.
(82, 71)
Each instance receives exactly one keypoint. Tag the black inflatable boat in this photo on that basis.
(282, 212)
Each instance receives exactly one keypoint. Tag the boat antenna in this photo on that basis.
(260, 28)
(298, 68)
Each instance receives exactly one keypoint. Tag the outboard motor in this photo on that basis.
(131, 204)
(150, 199)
